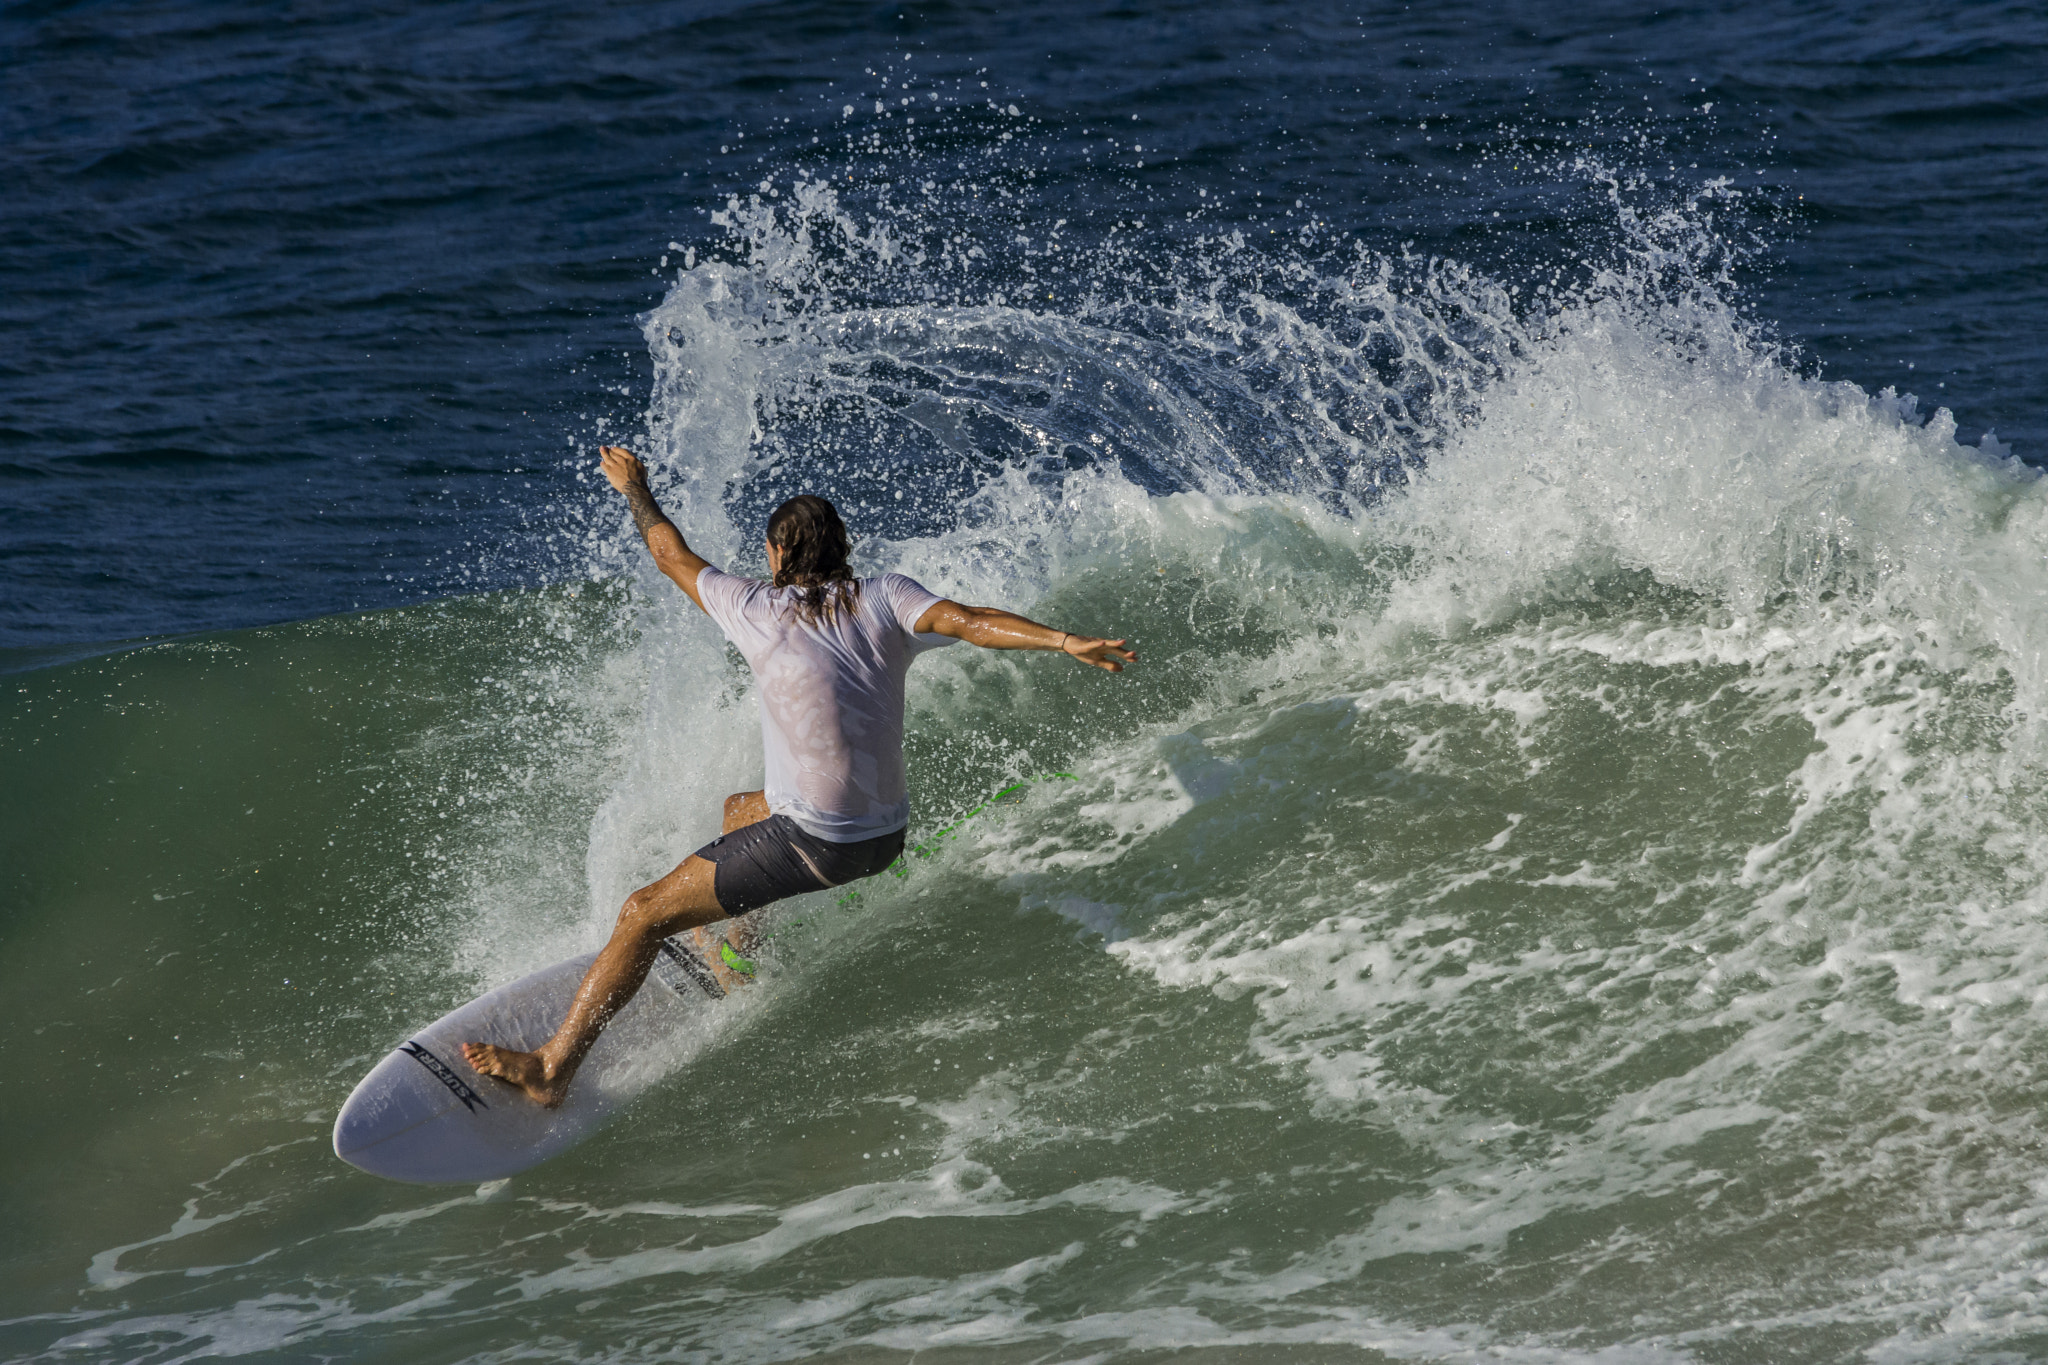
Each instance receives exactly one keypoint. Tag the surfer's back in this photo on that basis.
(832, 686)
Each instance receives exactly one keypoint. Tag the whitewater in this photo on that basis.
(1566, 883)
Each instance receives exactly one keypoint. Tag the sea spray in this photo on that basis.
(1593, 796)
(1564, 881)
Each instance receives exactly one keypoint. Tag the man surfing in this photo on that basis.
(829, 652)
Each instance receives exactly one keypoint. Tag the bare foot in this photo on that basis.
(524, 1069)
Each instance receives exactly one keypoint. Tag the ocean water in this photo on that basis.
(1566, 882)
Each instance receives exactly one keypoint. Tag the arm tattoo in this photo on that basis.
(647, 513)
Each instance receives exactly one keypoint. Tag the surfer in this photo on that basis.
(829, 652)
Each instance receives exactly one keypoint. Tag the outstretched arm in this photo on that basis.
(672, 554)
(994, 628)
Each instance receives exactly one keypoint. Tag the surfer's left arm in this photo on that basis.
(672, 554)
(994, 628)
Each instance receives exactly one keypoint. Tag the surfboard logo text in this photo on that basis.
(678, 961)
(439, 1069)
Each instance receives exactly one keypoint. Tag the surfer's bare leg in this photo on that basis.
(682, 900)
(741, 809)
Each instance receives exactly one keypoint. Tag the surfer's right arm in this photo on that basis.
(672, 554)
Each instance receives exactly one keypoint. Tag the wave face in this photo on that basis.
(1565, 881)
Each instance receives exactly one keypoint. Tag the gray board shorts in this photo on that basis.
(774, 858)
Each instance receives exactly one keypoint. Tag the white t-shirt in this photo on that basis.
(831, 697)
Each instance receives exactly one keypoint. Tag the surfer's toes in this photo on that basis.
(523, 1069)
(488, 1060)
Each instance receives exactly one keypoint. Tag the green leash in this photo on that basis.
(1008, 796)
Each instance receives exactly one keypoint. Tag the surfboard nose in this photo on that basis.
(359, 1125)
(425, 1116)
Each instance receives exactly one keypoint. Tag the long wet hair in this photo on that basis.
(814, 545)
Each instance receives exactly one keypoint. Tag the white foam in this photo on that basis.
(1633, 534)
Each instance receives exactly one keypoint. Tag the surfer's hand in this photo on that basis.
(1096, 653)
(622, 468)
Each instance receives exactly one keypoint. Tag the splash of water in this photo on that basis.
(1591, 760)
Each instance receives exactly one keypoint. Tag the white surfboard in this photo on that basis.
(423, 1115)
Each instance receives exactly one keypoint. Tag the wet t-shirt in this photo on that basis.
(831, 697)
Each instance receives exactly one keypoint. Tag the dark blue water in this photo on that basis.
(307, 308)
(1567, 882)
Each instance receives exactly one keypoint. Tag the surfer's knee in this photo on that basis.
(681, 900)
(640, 915)
(744, 808)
